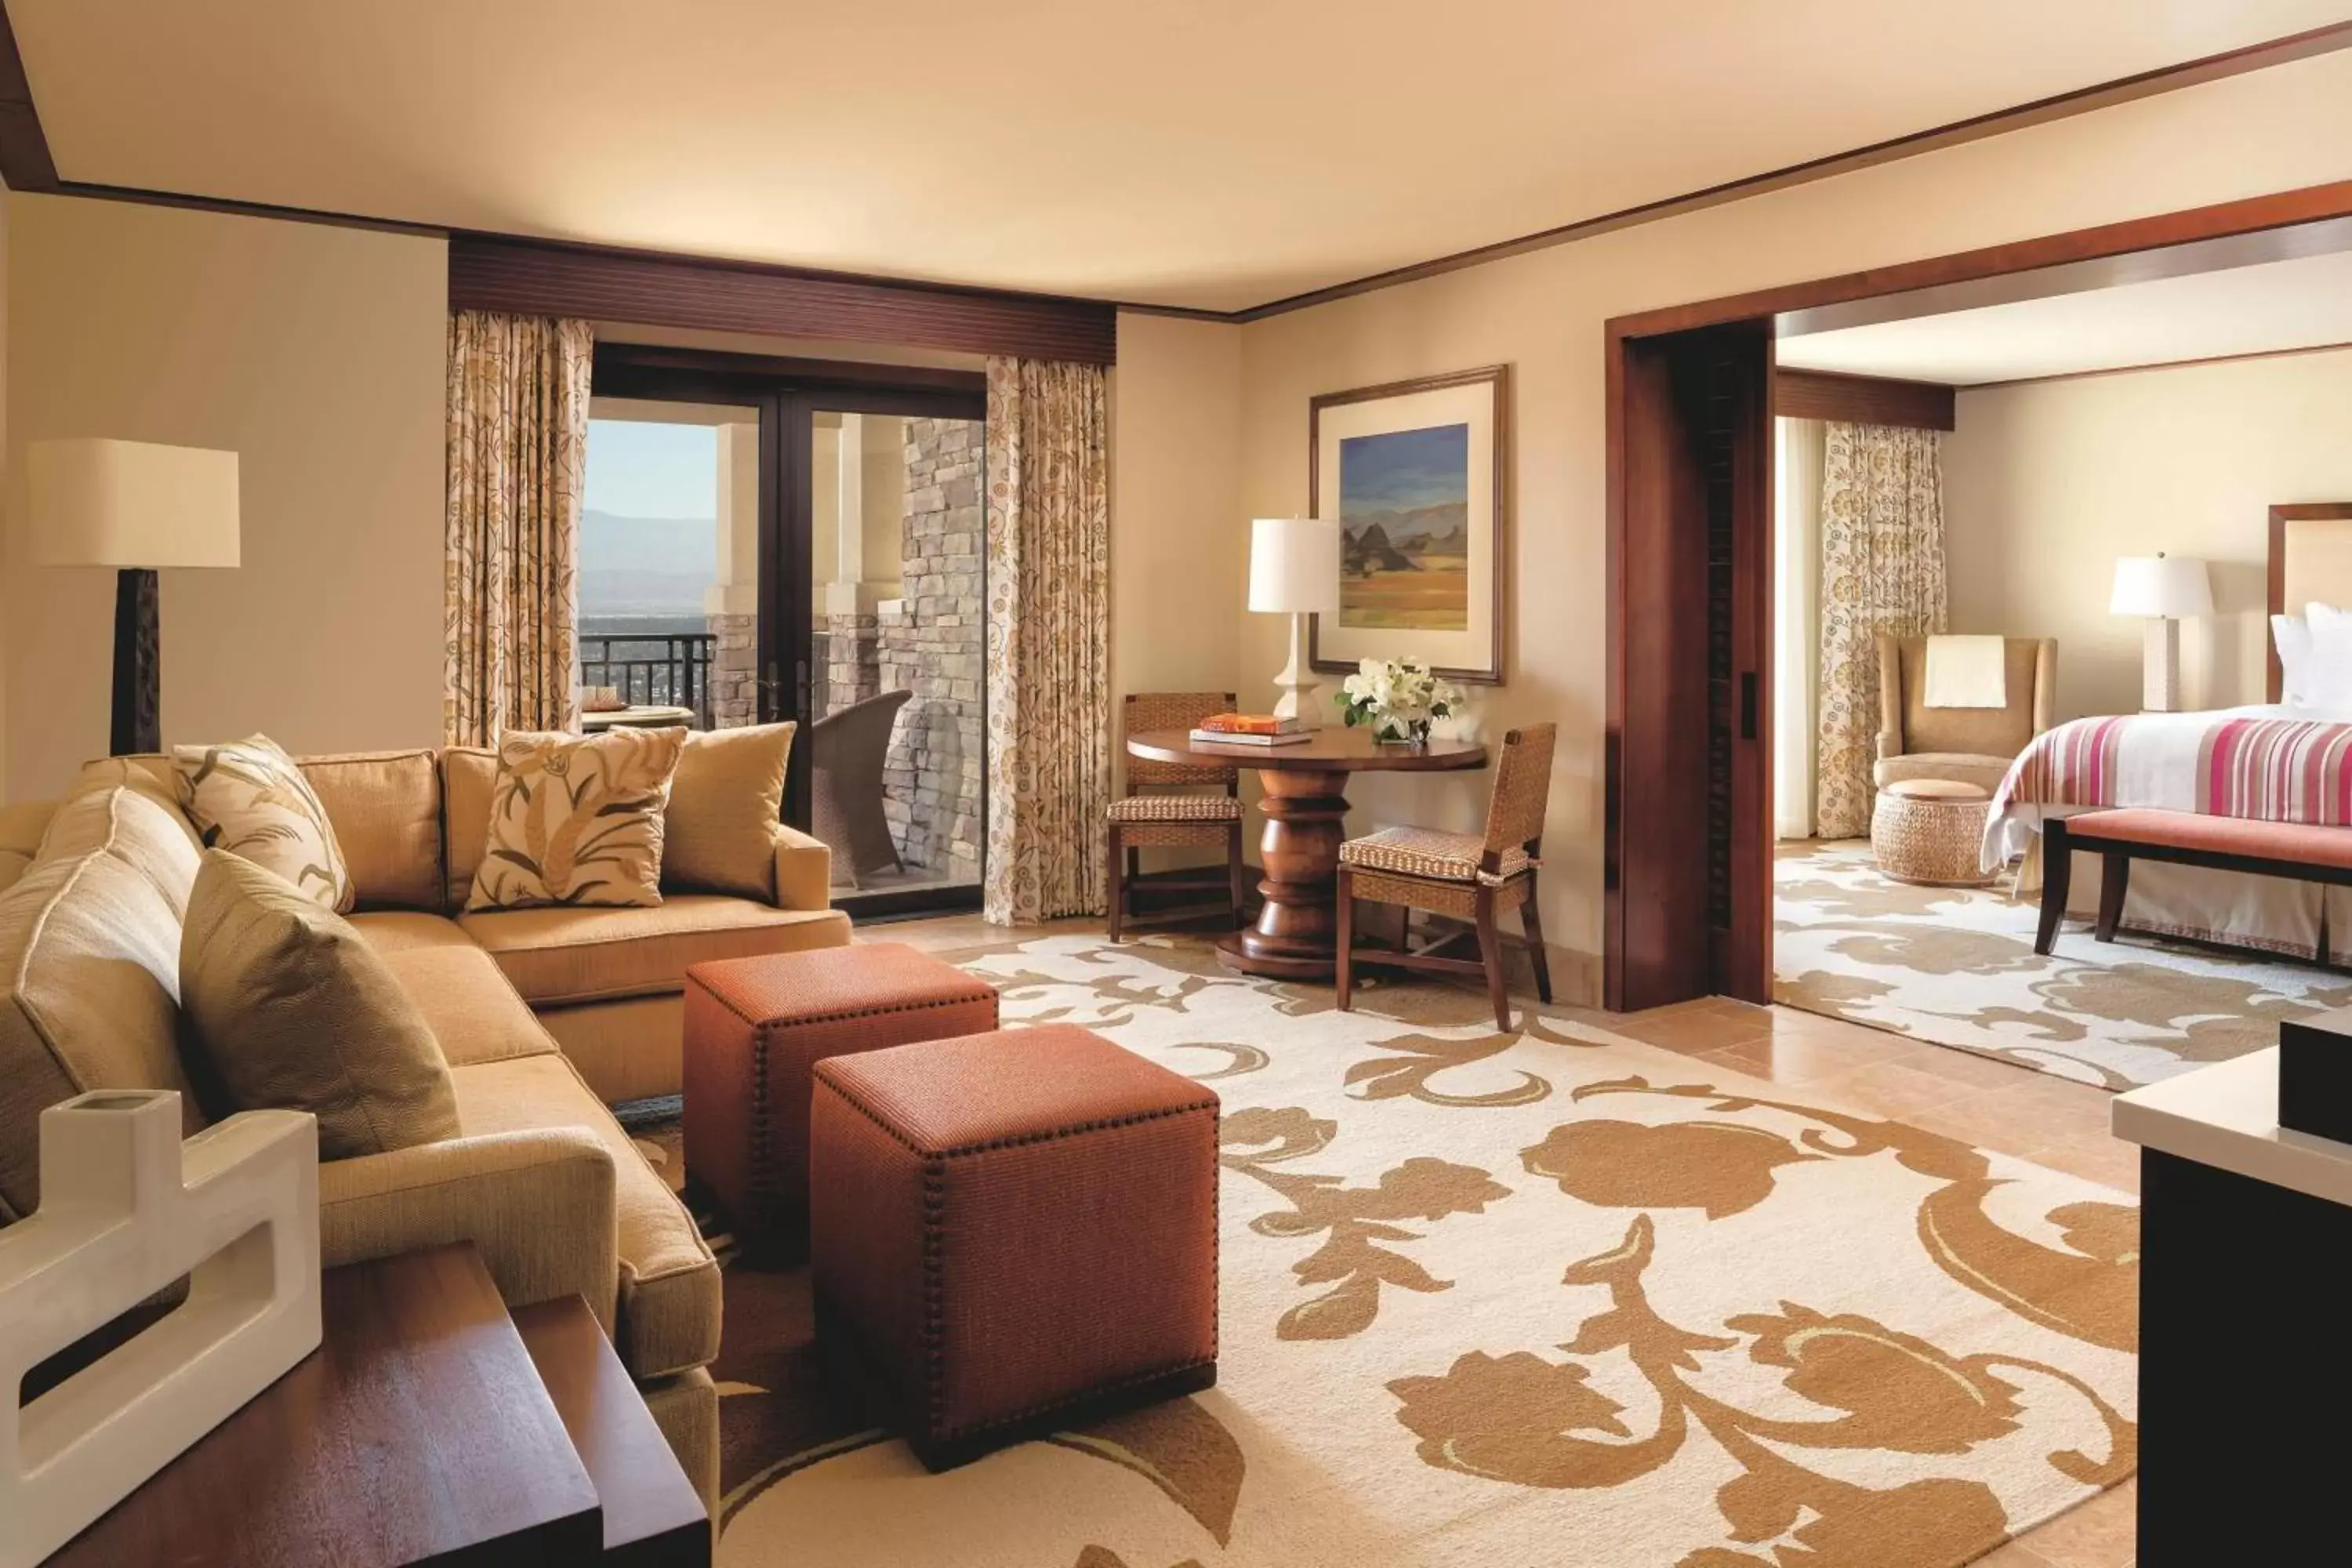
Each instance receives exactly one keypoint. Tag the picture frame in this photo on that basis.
(1416, 473)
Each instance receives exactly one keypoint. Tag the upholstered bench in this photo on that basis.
(753, 1028)
(2186, 839)
(1011, 1234)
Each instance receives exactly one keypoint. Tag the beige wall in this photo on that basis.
(1180, 538)
(2046, 483)
(1543, 313)
(314, 353)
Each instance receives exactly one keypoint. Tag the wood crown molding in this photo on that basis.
(26, 163)
(1863, 399)
(655, 289)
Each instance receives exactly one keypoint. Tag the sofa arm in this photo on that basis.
(1890, 744)
(538, 1205)
(804, 870)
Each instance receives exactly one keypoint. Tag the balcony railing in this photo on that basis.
(669, 671)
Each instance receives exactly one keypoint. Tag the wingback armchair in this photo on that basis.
(1970, 745)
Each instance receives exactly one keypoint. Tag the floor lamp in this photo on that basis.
(134, 506)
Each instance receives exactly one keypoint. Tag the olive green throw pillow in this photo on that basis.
(293, 1011)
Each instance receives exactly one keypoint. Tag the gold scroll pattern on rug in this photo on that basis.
(1530, 1421)
(1353, 1221)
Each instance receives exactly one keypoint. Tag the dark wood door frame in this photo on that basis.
(1687, 812)
(787, 394)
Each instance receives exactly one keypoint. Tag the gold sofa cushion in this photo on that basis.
(556, 956)
(724, 804)
(669, 1282)
(470, 1007)
(385, 808)
(468, 774)
(291, 1008)
(577, 820)
(90, 954)
(127, 822)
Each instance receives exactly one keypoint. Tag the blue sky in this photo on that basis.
(637, 470)
(1404, 470)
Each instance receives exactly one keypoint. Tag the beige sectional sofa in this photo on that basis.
(544, 1014)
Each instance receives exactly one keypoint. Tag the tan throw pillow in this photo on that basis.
(293, 1010)
(724, 805)
(248, 797)
(577, 819)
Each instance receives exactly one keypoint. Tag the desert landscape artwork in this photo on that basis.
(1404, 520)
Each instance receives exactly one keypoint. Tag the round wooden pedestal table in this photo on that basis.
(1306, 804)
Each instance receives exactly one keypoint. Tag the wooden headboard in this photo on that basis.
(2311, 558)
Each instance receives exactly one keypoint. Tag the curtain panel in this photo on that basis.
(1881, 552)
(1797, 624)
(1048, 559)
(517, 440)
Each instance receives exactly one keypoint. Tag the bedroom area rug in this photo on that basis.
(1499, 1299)
(1956, 966)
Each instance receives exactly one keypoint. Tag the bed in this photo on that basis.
(2266, 761)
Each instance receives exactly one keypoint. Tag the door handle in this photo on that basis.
(1747, 704)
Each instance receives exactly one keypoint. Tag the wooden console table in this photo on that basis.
(1305, 798)
(2244, 1226)
(429, 1427)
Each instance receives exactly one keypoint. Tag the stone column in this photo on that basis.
(730, 607)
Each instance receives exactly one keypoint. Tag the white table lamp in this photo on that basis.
(1295, 571)
(2162, 588)
(133, 506)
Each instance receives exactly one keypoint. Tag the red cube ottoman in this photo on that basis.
(1013, 1234)
(753, 1028)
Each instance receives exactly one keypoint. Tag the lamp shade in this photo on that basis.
(1294, 565)
(2157, 585)
(131, 503)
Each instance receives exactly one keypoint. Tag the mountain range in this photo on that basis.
(645, 565)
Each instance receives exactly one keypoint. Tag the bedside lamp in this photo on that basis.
(2162, 588)
(1295, 571)
(134, 506)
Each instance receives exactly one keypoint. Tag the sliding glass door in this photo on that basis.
(830, 528)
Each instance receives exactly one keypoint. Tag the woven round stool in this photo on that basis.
(1929, 831)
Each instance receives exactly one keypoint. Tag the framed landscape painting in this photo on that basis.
(1414, 472)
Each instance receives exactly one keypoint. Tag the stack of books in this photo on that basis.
(1251, 730)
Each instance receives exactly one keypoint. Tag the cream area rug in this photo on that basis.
(1956, 966)
(1509, 1299)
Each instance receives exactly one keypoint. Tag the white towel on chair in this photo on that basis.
(1967, 672)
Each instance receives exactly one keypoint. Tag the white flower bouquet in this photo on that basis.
(1399, 698)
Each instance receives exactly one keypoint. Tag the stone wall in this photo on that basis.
(932, 645)
(844, 662)
(734, 669)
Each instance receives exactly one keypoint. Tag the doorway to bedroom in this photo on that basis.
(1967, 516)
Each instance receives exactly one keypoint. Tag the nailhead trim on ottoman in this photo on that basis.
(753, 1028)
(1011, 1234)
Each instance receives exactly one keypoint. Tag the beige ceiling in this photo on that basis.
(1214, 152)
(2303, 303)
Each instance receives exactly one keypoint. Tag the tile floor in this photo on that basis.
(1992, 1104)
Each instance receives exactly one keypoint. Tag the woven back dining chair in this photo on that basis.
(1467, 876)
(1174, 804)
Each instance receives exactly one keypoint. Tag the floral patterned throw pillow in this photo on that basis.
(249, 798)
(577, 819)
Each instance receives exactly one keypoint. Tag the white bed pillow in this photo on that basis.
(2291, 634)
(2327, 675)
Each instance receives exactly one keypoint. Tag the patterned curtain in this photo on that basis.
(1882, 546)
(1048, 641)
(518, 450)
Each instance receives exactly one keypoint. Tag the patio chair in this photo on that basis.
(847, 752)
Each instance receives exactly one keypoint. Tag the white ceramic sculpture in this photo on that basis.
(126, 1209)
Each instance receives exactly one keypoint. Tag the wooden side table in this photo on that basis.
(429, 1427)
